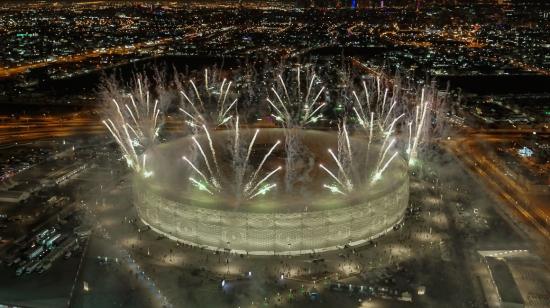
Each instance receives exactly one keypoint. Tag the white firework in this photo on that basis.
(213, 181)
(134, 119)
(208, 102)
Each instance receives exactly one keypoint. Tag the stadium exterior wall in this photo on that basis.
(273, 233)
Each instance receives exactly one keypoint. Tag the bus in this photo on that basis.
(35, 253)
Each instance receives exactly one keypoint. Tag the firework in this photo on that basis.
(387, 111)
(394, 119)
(209, 102)
(134, 120)
(297, 101)
(213, 182)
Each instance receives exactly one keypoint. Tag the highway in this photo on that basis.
(117, 50)
(528, 207)
(32, 128)
(18, 130)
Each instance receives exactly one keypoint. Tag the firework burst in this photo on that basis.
(395, 119)
(211, 101)
(134, 118)
(245, 179)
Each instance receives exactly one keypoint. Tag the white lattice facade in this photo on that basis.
(269, 233)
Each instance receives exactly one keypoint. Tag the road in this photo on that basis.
(30, 128)
(116, 50)
(527, 207)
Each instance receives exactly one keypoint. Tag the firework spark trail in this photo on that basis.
(408, 150)
(280, 114)
(212, 175)
(189, 115)
(125, 143)
(221, 91)
(345, 155)
(197, 93)
(146, 126)
(156, 113)
(390, 108)
(200, 185)
(298, 79)
(133, 117)
(284, 88)
(146, 173)
(223, 115)
(198, 114)
(332, 175)
(251, 191)
(286, 115)
(251, 188)
(383, 156)
(236, 145)
(134, 103)
(416, 114)
(419, 128)
(147, 102)
(251, 181)
(310, 85)
(349, 185)
(221, 111)
(389, 113)
(367, 96)
(348, 144)
(378, 175)
(130, 159)
(263, 190)
(360, 118)
(250, 146)
(370, 132)
(212, 150)
(382, 109)
(206, 78)
(239, 168)
(240, 164)
(390, 128)
(308, 115)
(144, 160)
(333, 189)
(131, 145)
(196, 169)
(140, 90)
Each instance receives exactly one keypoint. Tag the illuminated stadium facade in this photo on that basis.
(299, 220)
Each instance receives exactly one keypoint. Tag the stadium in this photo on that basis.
(295, 217)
